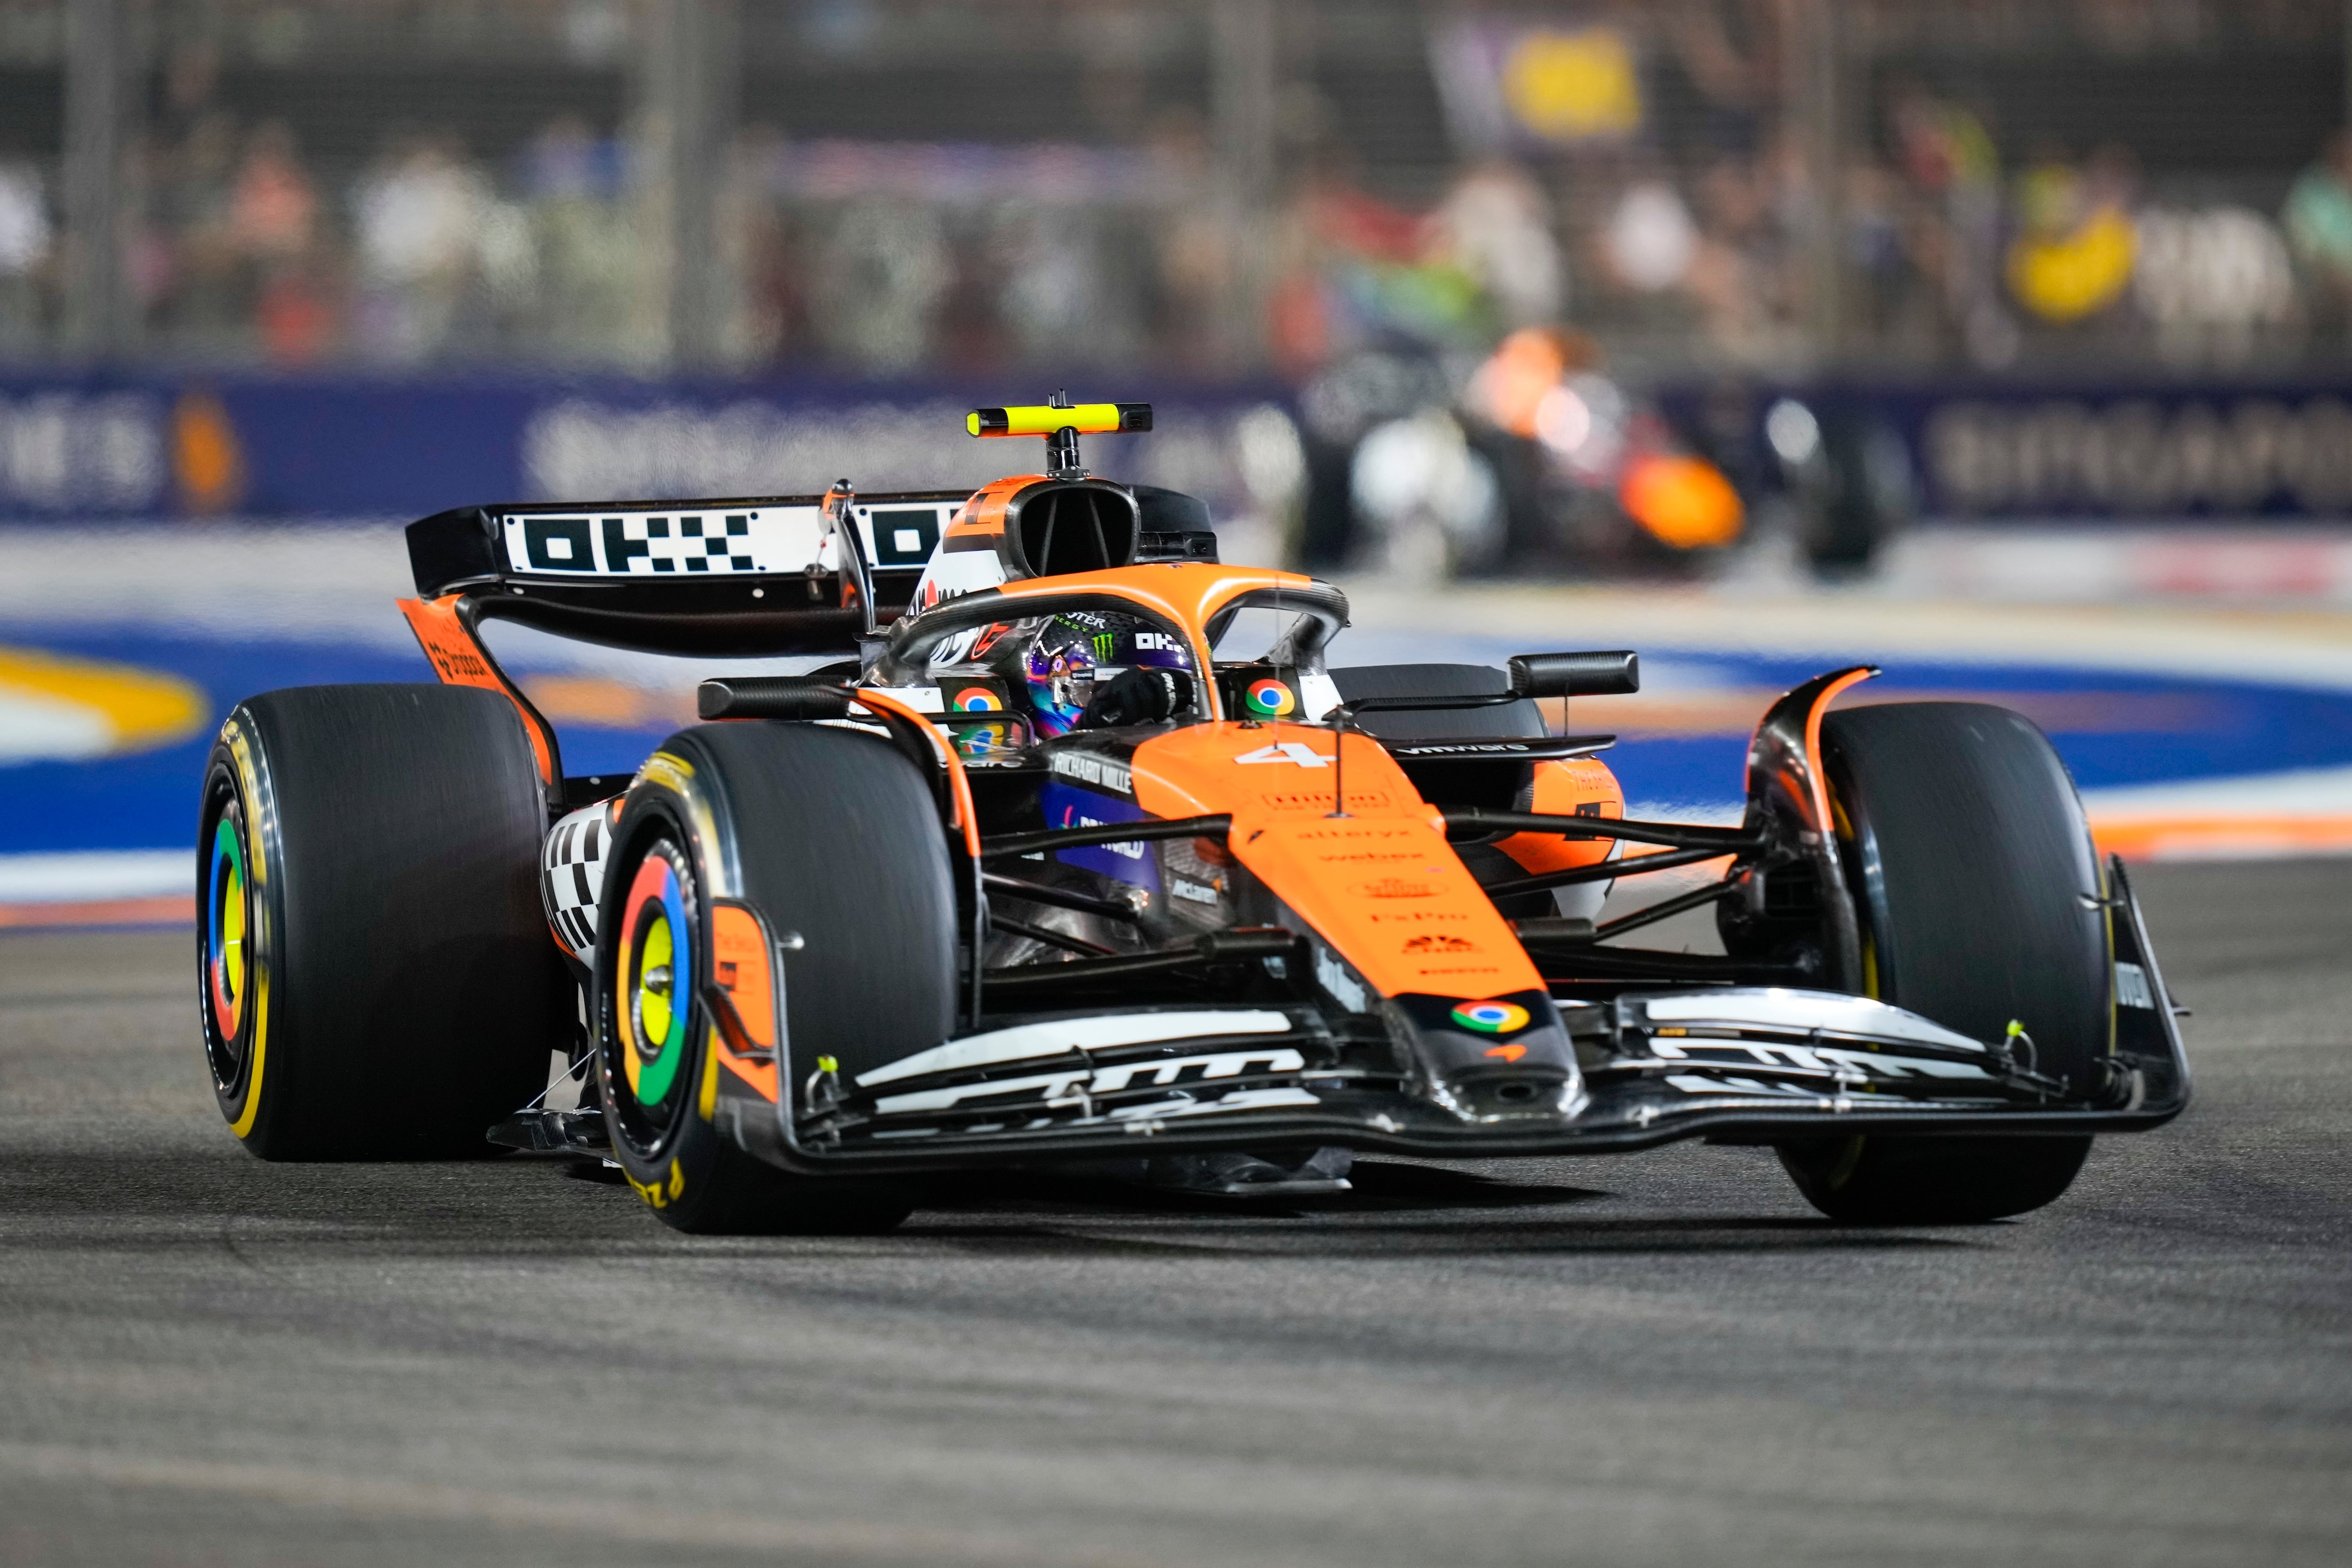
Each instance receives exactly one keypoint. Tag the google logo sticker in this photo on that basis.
(1491, 1018)
(1268, 695)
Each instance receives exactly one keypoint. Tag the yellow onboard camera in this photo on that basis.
(1061, 423)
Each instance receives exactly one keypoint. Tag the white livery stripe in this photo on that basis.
(1033, 1040)
(1239, 1099)
(1061, 1088)
(1781, 1007)
(1813, 1059)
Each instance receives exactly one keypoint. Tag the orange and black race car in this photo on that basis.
(1031, 872)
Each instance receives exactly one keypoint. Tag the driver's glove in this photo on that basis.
(1139, 697)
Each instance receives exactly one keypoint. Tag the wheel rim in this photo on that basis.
(227, 957)
(656, 984)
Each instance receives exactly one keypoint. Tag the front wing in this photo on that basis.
(1752, 1064)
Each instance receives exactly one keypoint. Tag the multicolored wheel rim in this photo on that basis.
(1269, 698)
(655, 978)
(1491, 1018)
(228, 913)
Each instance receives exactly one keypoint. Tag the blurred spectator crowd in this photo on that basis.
(1943, 254)
(1929, 240)
(878, 258)
(873, 256)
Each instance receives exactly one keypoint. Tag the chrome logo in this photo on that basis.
(1270, 696)
(1491, 1018)
(976, 699)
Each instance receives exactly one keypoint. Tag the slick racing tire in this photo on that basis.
(835, 840)
(375, 978)
(1966, 848)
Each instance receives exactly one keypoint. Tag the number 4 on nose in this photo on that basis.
(1297, 751)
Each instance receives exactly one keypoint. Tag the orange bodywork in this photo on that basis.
(1819, 783)
(1579, 786)
(982, 516)
(460, 660)
(967, 818)
(1381, 884)
(744, 971)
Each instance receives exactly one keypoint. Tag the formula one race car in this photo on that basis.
(1029, 876)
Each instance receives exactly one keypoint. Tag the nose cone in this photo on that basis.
(1494, 1058)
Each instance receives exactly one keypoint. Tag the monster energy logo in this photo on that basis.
(1106, 645)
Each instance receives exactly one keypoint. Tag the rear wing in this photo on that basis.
(746, 577)
(753, 576)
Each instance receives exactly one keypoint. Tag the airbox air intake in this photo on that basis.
(1066, 526)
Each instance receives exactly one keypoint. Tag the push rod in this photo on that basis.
(1604, 870)
(1211, 827)
(1246, 946)
(1678, 835)
(1004, 925)
(1641, 964)
(1665, 909)
(1059, 897)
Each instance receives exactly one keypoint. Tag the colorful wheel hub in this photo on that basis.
(1491, 1018)
(227, 973)
(656, 979)
(1269, 696)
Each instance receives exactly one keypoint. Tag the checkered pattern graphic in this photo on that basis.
(675, 544)
(570, 871)
(678, 544)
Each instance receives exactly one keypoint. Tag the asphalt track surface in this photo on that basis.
(1657, 1359)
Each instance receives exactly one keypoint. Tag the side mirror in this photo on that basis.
(1612, 673)
(770, 696)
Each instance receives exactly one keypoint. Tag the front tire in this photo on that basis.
(834, 838)
(1966, 847)
(375, 978)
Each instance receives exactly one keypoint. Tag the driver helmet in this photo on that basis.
(1061, 658)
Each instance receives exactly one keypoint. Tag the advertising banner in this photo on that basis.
(147, 445)
(2070, 451)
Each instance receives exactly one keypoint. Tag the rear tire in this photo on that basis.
(835, 840)
(375, 976)
(1967, 850)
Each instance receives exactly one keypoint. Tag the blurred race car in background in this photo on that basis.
(1535, 460)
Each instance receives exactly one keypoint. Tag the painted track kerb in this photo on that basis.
(229, 609)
